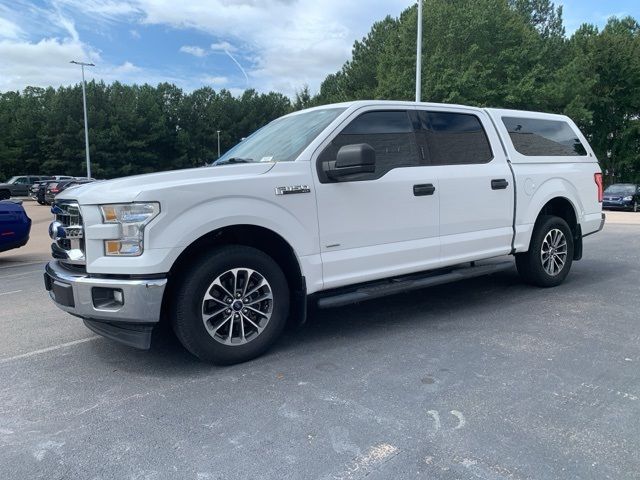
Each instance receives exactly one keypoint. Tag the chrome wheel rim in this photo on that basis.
(237, 306)
(553, 253)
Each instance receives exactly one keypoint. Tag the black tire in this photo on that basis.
(40, 202)
(186, 311)
(5, 194)
(530, 264)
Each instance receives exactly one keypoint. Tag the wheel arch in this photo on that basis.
(258, 237)
(562, 206)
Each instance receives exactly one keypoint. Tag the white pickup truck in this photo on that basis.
(335, 204)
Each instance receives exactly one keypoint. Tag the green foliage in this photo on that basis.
(500, 53)
(509, 54)
(132, 129)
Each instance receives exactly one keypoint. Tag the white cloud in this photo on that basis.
(41, 64)
(223, 47)
(195, 51)
(280, 44)
(126, 67)
(9, 29)
(216, 81)
(134, 34)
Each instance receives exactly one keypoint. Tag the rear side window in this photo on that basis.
(391, 135)
(550, 138)
(454, 138)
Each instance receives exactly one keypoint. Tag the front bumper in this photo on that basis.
(622, 205)
(82, 295)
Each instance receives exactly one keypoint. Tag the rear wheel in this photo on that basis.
(232, 306)
(550, 255)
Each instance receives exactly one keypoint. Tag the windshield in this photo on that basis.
(621, 189)
(12, 180)
(281, 140)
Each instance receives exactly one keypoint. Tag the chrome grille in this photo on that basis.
(67, 232)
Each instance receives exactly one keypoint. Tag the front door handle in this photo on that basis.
(423, 189)
(499, 184)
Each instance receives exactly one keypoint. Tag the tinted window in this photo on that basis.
(391, 135)
(535, 137)
(621, 189)
(455, 138)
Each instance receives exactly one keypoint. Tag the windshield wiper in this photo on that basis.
(231, 160)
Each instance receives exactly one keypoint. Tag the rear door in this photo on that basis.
(382, 223)
(475, 183)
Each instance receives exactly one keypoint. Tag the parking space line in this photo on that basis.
(48, 349)
(20, 264)
(21, 274)
(9, 293)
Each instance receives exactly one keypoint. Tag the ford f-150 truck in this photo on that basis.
(334, 204)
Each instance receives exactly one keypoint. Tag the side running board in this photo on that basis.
(407, 283)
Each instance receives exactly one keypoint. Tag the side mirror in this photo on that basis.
(352, 159)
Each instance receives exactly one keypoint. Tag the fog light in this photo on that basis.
(107, 298)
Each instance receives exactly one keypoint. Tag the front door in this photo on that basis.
(379, 224)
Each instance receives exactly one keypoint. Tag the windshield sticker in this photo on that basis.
(266, 159)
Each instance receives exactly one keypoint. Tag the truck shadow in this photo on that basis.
(437, 308)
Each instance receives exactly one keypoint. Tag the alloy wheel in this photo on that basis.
(554, 252)
(237, 306)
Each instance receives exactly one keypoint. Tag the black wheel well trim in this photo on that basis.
(563, 207)
(260, 238)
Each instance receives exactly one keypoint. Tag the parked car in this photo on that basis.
(18, 186)
(15, 225)
(38, 189)
(331, 205)
(54, 188)
(622, 196)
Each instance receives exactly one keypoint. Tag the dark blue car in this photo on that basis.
(15, 225)
(623, 196)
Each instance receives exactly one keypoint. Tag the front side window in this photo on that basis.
(281, 140)
(534, 137)
(391, 135)
(454, 138)
(21, 181)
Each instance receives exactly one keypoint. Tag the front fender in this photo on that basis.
(182, 229)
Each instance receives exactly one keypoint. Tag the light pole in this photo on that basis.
(218, 131)
(86, 123)
(419, 53)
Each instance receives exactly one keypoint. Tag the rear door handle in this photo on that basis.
(499, 184)
(423, 189)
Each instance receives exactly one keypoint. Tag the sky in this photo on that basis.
(278, 45)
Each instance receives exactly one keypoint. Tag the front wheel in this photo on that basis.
(548, 261)
(232, 306)
(5, 194)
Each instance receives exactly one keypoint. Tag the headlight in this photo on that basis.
(628, 199)
(132, 218)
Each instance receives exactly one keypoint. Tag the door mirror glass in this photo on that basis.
(351, 160)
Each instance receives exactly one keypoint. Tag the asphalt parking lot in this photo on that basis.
(486, 378)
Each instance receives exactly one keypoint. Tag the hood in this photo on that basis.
(127, 189)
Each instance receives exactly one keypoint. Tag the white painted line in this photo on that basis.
(48, 349)
(21, 264)
(9, 293)
(21, 274)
